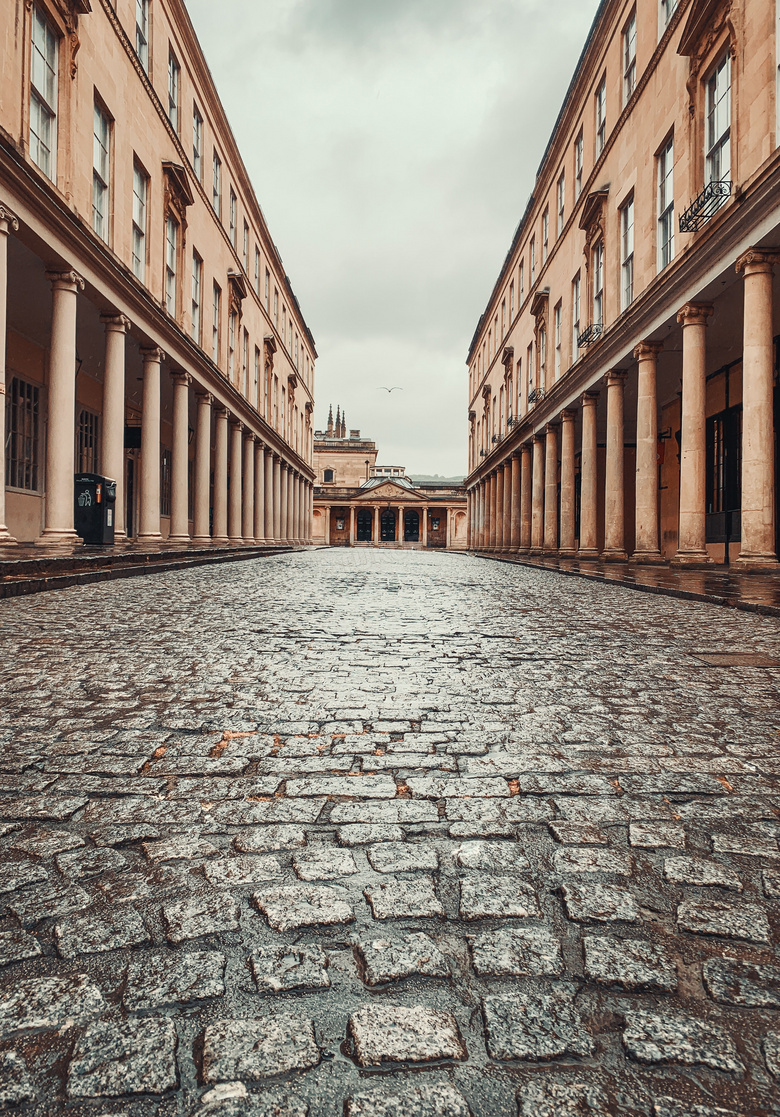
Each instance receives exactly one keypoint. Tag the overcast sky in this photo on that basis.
(393, 145)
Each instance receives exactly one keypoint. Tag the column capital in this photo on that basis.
(648, 350)
(204, 397)
(220, 409)
(568, 415)
(65, 280)
(695, 314)
(249, 436)
(589, 399)
(615, 376)
(236, 424)
(757, 260)
(181, 377)
(152, 353)
(9, 222)
(551, 428)
(115, 323)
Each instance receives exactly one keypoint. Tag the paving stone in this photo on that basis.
(742, 983)
(569, 1098)
(299, 905)
(358, 833)
(403, 899)
(657, 835)
(564, 783)
(207, 914)
(250, 1049)
(673, 783)
(403, 857)
(700, 872)
(273, 811)
(155, 981)
(17, 874)
(771, 883)
(123, 834)
(535, 1025)
(39, 842)
(394, 1033)
(577, 833)
(42, 807)
(746, 921)
(670, 1107)
(772, 1053)
(410, 955)
(684, 1040)
(268, 839)
(591, 859)
(45, 1003)
(278, 969)
(324, 863)
(517, 952)
(495, 857)
(357, 786)
(115, 1058)
(80, 864)
(752, 846)
(485, 897)
(99, 932)
(146, 884)
(403, 811)
(137, 809)
(431, 787)
(16, 1086)
(630, 963)
(232, 1099)
(441, 1100)
(602, 903)
(241, 870)
(52, 899)
(179, 847)
(17, 946)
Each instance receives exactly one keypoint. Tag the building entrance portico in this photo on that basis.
(365, 525)
(411, 526)
(387, 534)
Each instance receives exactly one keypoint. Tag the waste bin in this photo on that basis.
(95, 505)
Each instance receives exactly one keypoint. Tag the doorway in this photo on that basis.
(365, 526)
(130, 497)
(388, 526)
(411, 527)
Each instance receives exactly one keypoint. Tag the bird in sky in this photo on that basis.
(382, 388)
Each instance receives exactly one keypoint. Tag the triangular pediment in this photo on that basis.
(388, 490)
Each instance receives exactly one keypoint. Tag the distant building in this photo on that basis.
(360, 503)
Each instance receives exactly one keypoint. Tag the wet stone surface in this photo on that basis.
(389, 834)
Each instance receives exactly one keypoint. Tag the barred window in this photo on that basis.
(166, 470)
(22, 435)
(87, 451)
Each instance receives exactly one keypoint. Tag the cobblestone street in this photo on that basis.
(387, 834)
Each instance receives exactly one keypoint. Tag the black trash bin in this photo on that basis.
(95, 506)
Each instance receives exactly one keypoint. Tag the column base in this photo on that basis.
(747, 562)
(691, 558)
(590, 554)
(220, 540)
(183, 539)
(202, 540)
(566, 552)
(54, 537)
(523, 550)
(536, 551)
(647, 558)
(235, 540)
(149, 537)
(6, 539)
(613, 556)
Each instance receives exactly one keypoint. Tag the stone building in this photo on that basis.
(360, 503)
(148, 328)
(623, 376)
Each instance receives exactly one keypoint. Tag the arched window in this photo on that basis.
(327, 477)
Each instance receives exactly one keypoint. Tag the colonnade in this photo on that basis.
(515, 505)
(424, 511)
(258, 497)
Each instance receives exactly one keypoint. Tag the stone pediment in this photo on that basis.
(388, 490)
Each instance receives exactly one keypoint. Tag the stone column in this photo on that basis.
(469, 522)
(297, 510)
(507, 504)
(277, 501)
(61, 412)
(537, 510)
(221, 477)
(291, 506)
(588, 548)
(269, 497)
(448, 530)
(551, 488)
(259, 519)
(476, 535)
(327, 526)
(424, 526)
(757, 550)
(525, 499)
(498, 544)
(285, 481)
(646, 548)
(234, 490)
(351, 526)
(149, 520)
(567, 538)
(514, 514)
(493, 512)
(248, 503)
(691, 541)
(113, 441)
(8, 223)
(201, 526)
(180, 528)
(614, 496)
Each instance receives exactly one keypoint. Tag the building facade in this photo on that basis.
(623, 377)
(148, 329)
(360, 503)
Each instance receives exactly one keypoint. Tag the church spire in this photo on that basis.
(338, 421)
(330, 422)
(343, 424)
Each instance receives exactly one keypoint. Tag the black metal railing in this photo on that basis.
(592, 333)
(698, 213)
(535, 395)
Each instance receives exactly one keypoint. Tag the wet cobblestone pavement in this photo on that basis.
(387, 835)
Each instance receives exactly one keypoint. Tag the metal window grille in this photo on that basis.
(100, 171)
(22, 437)
(43, 94)
(87, 450)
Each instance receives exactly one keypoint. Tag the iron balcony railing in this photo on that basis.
(592, 333)
(698, 213)
(535, 395)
